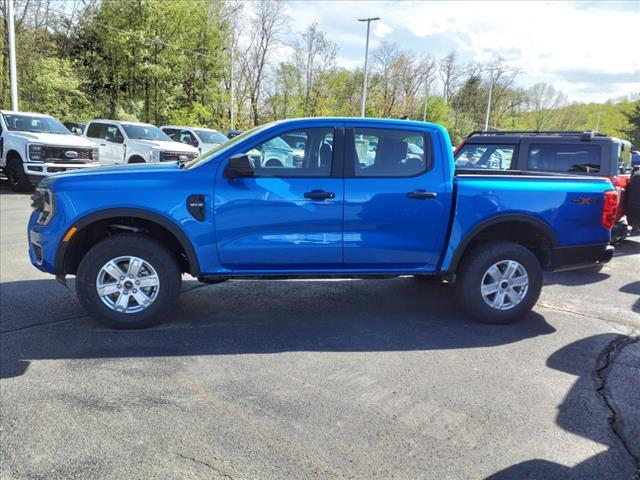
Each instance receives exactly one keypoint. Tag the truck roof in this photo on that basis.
(30, 114)
(120, 122)
(480, 136)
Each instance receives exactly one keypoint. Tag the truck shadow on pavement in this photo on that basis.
(43, 320)
(634, 289)
(601, 406)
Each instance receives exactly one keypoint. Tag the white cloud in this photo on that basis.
(381, 29)
(569, 43)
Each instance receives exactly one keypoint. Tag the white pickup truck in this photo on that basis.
(33, 146)
(204, 139)
(129, 142)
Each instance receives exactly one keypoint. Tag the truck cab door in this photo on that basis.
(282, 216)
(113, 145)
(397, 198)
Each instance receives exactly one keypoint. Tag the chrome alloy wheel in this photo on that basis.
(127, 284)
(504, 285)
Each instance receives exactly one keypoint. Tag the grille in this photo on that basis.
(175, 156)
(58, 154)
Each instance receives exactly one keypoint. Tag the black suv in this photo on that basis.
(582, 153)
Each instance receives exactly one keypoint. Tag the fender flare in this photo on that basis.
(172, 227)
(506, 218)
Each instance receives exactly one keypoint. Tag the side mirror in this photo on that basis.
(239, 166)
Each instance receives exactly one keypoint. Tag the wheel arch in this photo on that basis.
(514, 226)
(13, 153)
(67, 259)
(133, 158)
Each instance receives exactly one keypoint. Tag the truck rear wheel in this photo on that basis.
(128, 281)
(18, 179)
(499, 282)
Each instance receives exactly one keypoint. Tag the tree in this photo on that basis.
(543, 100)
(449, 72)
(267, 28)
(633, 131)
(314, 56)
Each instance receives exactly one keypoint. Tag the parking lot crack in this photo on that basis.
(41, 324)
(208, 465)
(603, 367)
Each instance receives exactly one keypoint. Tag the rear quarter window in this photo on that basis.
(485, 157)
(563, 157)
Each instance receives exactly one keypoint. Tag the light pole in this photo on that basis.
(486, 118)
(426, 99)
(598, 121)
(233, 88)
(12, 57)
(366, 61)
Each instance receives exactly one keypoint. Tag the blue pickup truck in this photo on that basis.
(129, 232)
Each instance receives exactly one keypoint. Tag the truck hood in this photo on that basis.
(130, 170)
(169, 146)
(54, 139)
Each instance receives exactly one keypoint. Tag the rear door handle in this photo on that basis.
(421, 194)
(319, 194)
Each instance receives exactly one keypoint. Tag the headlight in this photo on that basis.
(95, 154)
(43, 201)
(36, 152)
(154, 155)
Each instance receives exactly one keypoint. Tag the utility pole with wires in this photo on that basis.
(12, 56)
(366, 61)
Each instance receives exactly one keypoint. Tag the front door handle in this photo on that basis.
(319, 194)
(421, 194)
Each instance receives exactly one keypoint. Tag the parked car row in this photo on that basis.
(34, 146)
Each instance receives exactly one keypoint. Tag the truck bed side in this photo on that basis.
(564, 210)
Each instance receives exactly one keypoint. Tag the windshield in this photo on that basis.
(225, 146)
(211, 136)
(145, 132)
(27, 123)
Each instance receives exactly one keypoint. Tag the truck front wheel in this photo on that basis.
(499, 282)
(128, 281)
(18, 179)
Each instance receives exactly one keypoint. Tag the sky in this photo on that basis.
(589, 50)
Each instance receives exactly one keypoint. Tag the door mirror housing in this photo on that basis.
(239, 166)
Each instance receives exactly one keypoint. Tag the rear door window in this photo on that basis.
(564, 157)
(485, 157)
(390, 153)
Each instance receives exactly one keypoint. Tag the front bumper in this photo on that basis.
(43, 243)
(571, 258)
(40, 170)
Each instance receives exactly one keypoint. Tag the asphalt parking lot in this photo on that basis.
(320, 379)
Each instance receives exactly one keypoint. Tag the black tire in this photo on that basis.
(632, 207)
(472, 272)
(136, 159)
(146, 248)
(18, 179)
